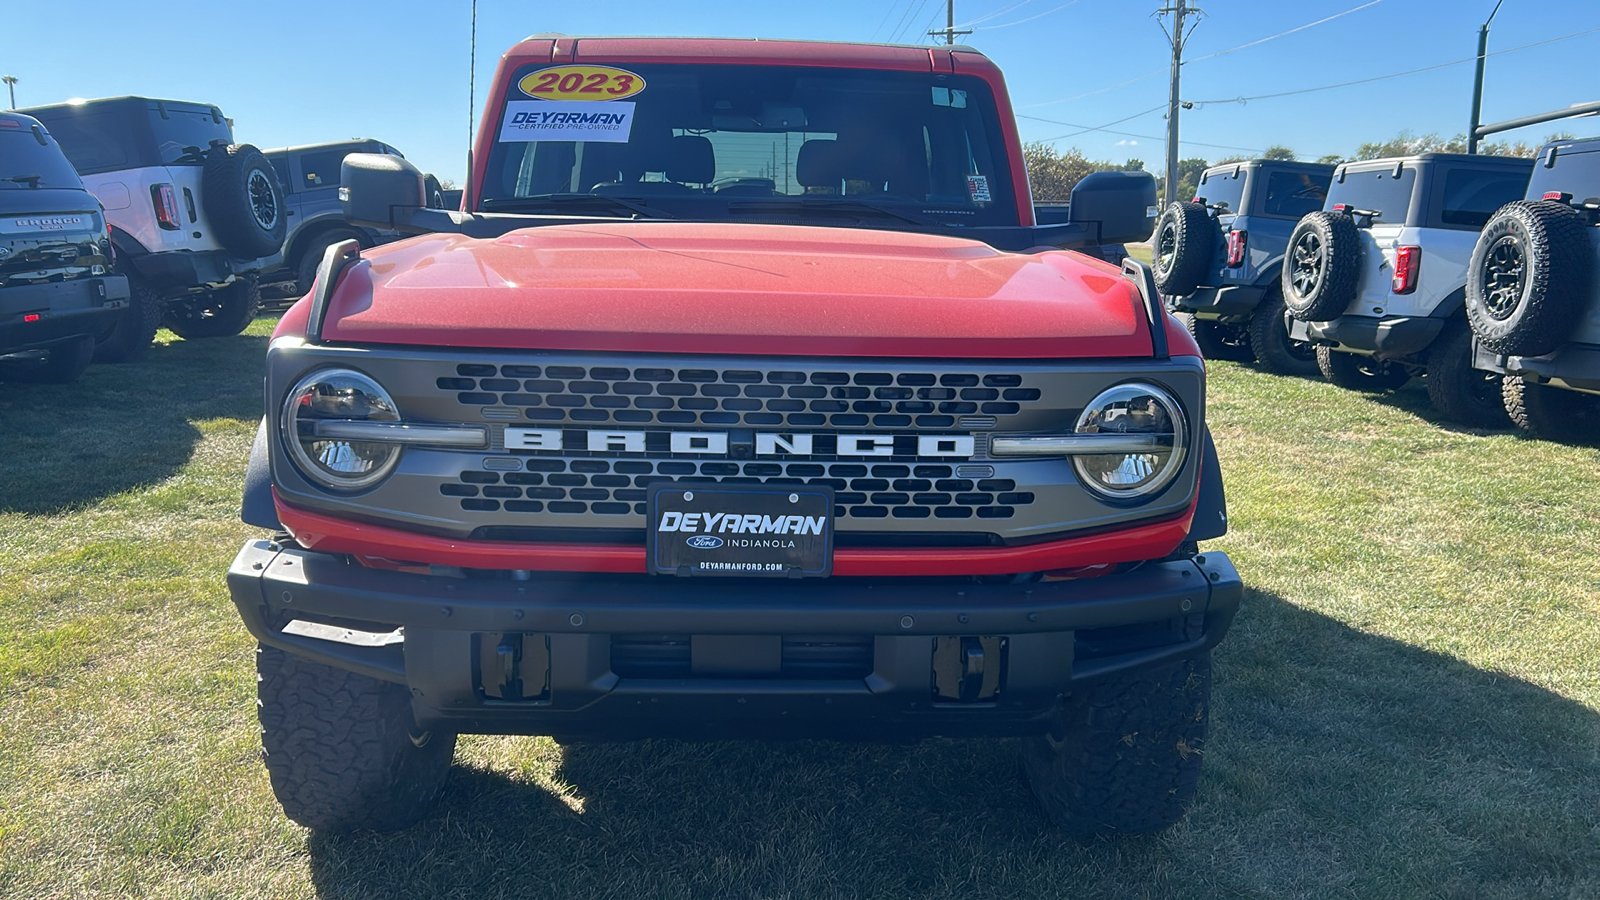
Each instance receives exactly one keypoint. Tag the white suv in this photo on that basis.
(1377, 279)
(193, 215)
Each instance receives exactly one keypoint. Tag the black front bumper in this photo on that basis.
(64, 309)
(1050, 636)
(1384, 337)
(1230, 301)
(1575, 367)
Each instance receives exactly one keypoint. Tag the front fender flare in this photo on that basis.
(258, 508)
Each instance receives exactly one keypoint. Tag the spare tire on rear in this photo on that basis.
(1322, 266)
(243, 201)
(1529, 277)
(1181, 248)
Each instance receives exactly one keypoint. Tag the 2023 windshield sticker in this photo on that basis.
(598, 121)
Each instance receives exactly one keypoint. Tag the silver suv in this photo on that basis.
(193, 215)
(1377, 279)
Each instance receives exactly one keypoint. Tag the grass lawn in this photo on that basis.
(1408, 706)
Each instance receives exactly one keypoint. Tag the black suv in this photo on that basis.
(1217, 259)
(310, 178)
(57, 292)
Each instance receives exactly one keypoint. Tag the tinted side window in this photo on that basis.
(1376, 190)
(1293, 194)
(1223, 188)
(22, 156)
(1471, 197)
(1575, 173)
(319, 170)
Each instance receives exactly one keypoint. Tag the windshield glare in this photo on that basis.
(698, 140)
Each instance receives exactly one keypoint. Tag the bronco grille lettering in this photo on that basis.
(716, 443)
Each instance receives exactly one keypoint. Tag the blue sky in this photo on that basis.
(294, 71)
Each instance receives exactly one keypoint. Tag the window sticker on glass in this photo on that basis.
(567, 120)
(951, 97)
(581, 83)
(978, 188)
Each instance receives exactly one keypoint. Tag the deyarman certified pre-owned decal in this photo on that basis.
(567, 120)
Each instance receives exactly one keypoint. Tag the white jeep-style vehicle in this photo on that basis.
(193, 215)
(1377, 279)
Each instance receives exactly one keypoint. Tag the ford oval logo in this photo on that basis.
(704, 542)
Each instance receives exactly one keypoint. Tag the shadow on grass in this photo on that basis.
(1413, 398)
(121, 426)
(1340, 764)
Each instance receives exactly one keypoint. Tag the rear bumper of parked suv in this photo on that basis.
(1572, 366)
(181, 270)
(619, 656)
(1225, 302)
(36, 315)
(1386, 337)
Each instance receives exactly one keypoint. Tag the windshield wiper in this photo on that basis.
(567, 202)
(29, 180)
(827, 205)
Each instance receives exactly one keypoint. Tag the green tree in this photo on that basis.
(1052, 175)
(1330, 159)
(1277, 151)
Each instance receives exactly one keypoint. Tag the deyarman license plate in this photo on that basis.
(781, 531)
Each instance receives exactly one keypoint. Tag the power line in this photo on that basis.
(879, 27)
(1148, 137)
(900, 21)
(911, 22)
(1029, 19)
(1443, 65)
(996, 14)
(1283, 33)
(1085, 129)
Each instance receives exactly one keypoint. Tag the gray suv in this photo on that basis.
(1534, 300)
(1217, 259)
(310, 176)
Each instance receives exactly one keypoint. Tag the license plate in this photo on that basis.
(779, 531)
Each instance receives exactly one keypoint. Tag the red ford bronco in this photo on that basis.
(744, 397)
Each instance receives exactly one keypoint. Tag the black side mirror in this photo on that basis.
(381, 191)
(1121, 206)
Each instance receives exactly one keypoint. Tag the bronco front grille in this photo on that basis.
(616, 487)
(662, 395)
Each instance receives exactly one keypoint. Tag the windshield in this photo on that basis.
(25, 163)
(712, 142)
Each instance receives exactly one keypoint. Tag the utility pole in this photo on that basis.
(949, 31)
(1477, 83)
(11, 85)
(1177, 37)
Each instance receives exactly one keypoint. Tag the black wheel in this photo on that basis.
(1217, 340)
(66, 361)
(1181, 249)
(1554, 414)
(1354, 372)
(218, 313)
(130, 337)
(311, 255)
(1322, 266)
(243, 200)
(1125, 753)
(1274, 349)
(1463, 394)
(343, 750)
(1529, 277)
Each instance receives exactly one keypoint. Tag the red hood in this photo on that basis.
(735, 289)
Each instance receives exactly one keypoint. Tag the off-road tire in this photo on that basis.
(1554, 414)
(1273, 348)
(130, 336)
(343, 750)
(1465, 395)
(243, 200)
(1181, 248)
(218, 313)
(1529, 277)
(1217, 340)
(67, 360)
(311, 255)
(1321, 267)
(1127, 752)
(1354, 372)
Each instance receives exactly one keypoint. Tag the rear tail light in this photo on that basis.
(1407, 260)
(1237, 241)
(166, 203)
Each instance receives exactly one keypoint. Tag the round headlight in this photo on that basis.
(339, 395)
(1134, 408)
